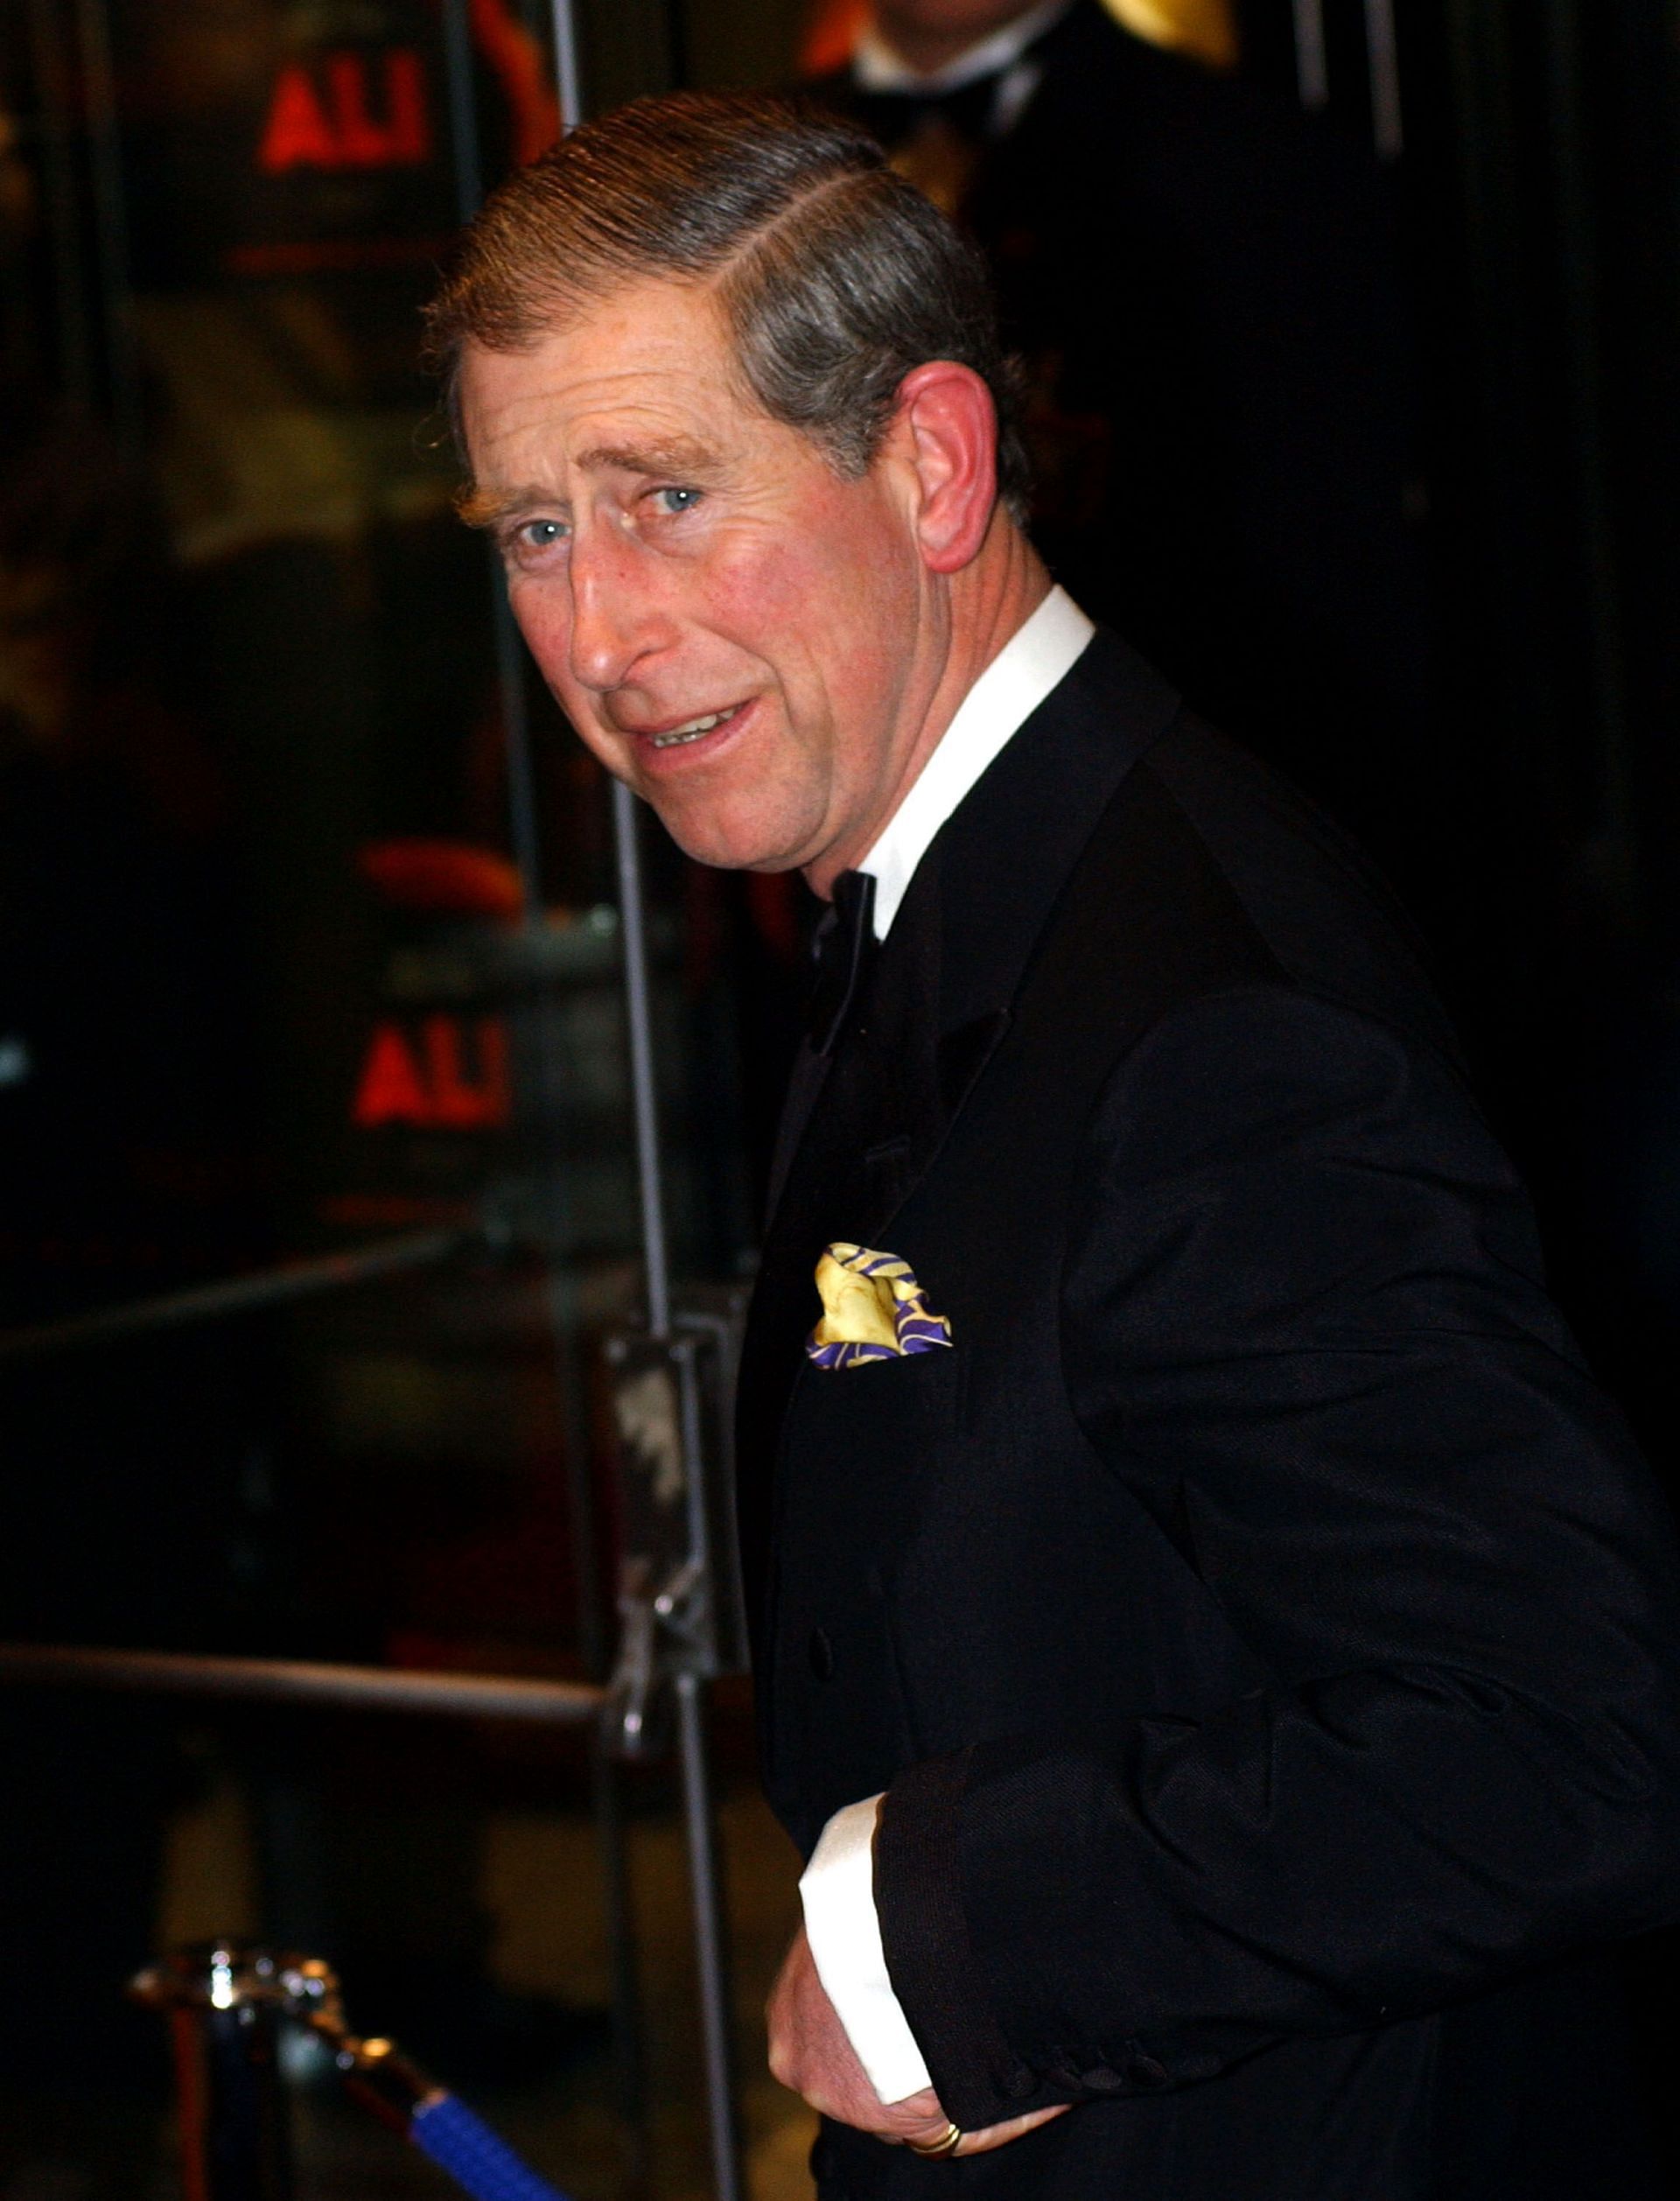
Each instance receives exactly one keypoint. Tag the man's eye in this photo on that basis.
(533, 542)
(539, 535)
(674, 500)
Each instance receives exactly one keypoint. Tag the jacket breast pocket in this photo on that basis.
(860, 1434)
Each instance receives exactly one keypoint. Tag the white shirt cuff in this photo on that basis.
(841, 1924)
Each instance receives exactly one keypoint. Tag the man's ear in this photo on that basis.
(949, 426)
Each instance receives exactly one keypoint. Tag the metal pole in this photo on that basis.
(639, 1017)
(606, 1801)
(566, 78)
(463, 120)
(301, 1681)
(716, 2015)
(1311, 70)
(242, 1294)
(244, 2137)
(510, 663)
(694, 1456)
(1382, 59)
(224, 2013)
(525, 834)
(522, 826)
(696, 1778)
(629, 2031)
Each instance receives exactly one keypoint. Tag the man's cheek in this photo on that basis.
(607, 747)
(762, 598)
(548, 636)
(543, 627)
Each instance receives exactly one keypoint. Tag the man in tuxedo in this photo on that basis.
(1226, 1694)
(1202, 285)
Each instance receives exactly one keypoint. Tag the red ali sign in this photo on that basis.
(360, 108)
(449, 1075)
(352, 109)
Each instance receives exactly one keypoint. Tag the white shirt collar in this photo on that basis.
(876, 67)
(1040, 653)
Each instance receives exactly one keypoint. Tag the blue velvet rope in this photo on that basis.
(446, 2129)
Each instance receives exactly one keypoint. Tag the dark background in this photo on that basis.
(244, 648)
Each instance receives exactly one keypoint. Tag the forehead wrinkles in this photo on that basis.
(659, 356)
(559, 402)
(597, 421)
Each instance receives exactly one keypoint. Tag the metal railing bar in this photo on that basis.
(301, 1681)
(627, 2022)
(463, 122)
(1312, 67)
(242, 1294)
(509, 657)
(638, 1005)
(711, 1940)
(566, 76)
(1382, 60)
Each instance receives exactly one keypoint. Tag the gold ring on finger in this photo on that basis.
(947, 2144)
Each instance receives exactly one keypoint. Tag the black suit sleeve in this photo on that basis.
(1302, 1319)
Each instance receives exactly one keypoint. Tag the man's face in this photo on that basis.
(734, 630)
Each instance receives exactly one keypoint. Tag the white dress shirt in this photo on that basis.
(1037, 656)
(838, 1887)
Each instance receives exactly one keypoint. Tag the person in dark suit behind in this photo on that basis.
(1216, 1649)
(1204, 289)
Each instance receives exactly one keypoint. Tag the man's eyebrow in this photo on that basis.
(485, 507)
(683, 457)
(668, 455)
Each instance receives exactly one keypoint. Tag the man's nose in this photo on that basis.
(616, 618)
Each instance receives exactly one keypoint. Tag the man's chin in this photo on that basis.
(731, 860)
(724, 847)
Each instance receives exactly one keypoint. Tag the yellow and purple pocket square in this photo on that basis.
(873, 1309)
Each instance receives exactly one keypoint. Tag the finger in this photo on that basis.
(918, 2117)
(990, 2136)
(921, 2135)
(915, 2112)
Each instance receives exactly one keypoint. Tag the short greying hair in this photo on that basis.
(836, 276)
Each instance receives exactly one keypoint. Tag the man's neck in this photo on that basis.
(988, 602)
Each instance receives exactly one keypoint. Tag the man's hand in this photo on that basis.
(811, 2053)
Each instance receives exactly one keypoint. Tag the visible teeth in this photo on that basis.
(693, 729)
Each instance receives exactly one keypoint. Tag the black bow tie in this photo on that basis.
(844, 947)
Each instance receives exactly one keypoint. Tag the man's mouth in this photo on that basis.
(694, 728)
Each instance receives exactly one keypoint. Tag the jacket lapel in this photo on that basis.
(869, 1125)
(858, 1138)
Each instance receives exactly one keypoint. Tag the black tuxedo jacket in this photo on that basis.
(1259, 1622)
